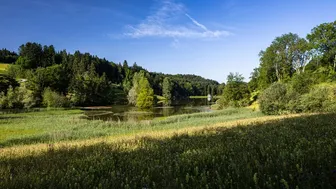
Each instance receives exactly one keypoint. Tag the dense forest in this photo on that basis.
(59, 78)
(295, 74)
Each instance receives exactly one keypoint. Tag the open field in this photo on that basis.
(225, 149)
(3, 67)
(59, 125)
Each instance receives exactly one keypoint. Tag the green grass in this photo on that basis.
(60, 125)
(3, 67)
(282, 152)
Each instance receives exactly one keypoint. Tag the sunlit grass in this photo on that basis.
(59, 125)
(3, 67)
(291, 151)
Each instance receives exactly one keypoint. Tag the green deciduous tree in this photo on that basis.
(236, 91)
(7, 81)
(323, 39)
(145, 98)
(167, 88)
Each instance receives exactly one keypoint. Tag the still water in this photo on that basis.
(130, 113)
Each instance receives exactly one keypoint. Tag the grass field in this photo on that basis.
(59, 125)
(3, 67)
(235, 148)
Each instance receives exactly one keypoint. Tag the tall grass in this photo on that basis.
(286, 152)
(59, 125)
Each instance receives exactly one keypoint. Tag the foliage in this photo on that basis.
(236, 91)
(30, 55)
(89, 88)
(52, 77)
(135, 90)
(285, 98)
(52, 99)
(5, 82)
(64, 72)
(301, 83)
(7, 56)
(19, 97)
(17, 71)
(145, 98)
(323, 39)
(274, 99)
(321, 98)
(167, 88)
(116, 95)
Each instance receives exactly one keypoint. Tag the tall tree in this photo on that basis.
(145, 98)
(235, 90)
(302, 55)
(48, 57)
(167, 88)
(30, 55)
(323, 39)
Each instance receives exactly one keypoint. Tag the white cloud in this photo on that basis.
(162, 23)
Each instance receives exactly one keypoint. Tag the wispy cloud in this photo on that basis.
(167, 21)
(197, 23)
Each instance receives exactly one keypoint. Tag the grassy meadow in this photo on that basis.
(3, 67)
(234, 148)
(59, 125)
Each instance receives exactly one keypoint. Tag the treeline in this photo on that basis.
(81, 79)
(295, 74)
(7, 56)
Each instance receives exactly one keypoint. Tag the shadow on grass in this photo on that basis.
(288, 153)
(10, 117)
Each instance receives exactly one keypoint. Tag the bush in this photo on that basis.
(52, 99)
(274, 99)
(321, 98)
(301, 83)
(281, 98)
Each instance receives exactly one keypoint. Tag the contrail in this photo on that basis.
(197, 23)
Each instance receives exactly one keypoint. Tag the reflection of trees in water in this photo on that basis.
(191, 102)
(167, 111)
(133, 114)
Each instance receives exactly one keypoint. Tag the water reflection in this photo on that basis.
(130, 113)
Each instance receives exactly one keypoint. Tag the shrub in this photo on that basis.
(293, 104)
(52, 99)
(321, 98)
(274, 99)
(301, 83)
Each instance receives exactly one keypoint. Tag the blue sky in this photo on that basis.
(207, 38)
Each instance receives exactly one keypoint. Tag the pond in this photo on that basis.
(131, 113)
